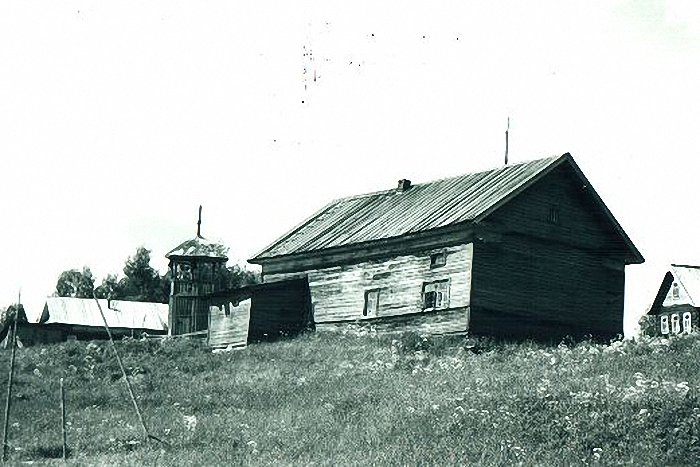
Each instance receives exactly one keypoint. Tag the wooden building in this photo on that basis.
(195, 271)
(676, 307)
(66, 318)
(258, 312)
(524, 250)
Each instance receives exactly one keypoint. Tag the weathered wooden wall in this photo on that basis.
(449, 321)
(580, 224)
(187, 314)
(521, 288)
(228, 323)
(338, 293)
(547, 279)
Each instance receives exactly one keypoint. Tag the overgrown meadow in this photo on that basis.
(359, 398)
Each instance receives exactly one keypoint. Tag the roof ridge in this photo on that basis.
(453, 177)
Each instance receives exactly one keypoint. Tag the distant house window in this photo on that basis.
(553, 215)
(436, 294)
(664, 324)
(438, 259)
(687, 322)
(675, 292)
(371, 302)
(675, 323)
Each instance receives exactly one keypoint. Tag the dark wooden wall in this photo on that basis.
(188, 314)
(279, 308)
(524, 288)
(549, 279)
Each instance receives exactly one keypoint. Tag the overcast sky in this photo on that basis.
(117, 119)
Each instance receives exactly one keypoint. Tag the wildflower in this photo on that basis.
(597, 452)
(682, 388)
(190, 422)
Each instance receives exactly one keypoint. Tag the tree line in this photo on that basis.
(140, 283)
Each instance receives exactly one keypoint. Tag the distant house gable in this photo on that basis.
(680, 286)
(419, 209)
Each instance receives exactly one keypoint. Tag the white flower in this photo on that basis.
(597, 453)
(190, 422)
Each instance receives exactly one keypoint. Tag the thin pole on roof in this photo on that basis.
(199, 222)
(13, 342)
(507, 128)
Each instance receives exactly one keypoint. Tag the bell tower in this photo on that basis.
(195, 272)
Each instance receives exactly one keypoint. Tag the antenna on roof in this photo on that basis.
(199, 222)
(507, 128)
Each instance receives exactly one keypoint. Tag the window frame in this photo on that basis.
(554, 215)
(687, 318)
(438, 259)
(366, 312)
(675, 323)
(664, 324)
(445, 299)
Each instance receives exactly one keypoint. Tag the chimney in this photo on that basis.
(404, 185)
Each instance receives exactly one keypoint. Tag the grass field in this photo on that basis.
(362, 399)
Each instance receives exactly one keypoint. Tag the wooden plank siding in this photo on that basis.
(338, 292)
(549, 276)
(522, 289)
(256, 312)
(579, 222)
(228, 322)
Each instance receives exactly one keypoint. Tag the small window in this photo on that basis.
(371, 303)
(675, 293)
(687, 322)
(436, 294)
(553, 216)
(438, 259)
(664, 324)
(675, 324)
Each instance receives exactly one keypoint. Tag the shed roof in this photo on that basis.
(199, 247)
(119, 313)
(394, 213)
(687, 277)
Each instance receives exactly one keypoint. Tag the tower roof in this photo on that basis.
(199, 247)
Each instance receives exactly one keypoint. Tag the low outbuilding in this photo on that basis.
(68, 318)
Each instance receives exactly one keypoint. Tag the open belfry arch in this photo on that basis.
(196, 267)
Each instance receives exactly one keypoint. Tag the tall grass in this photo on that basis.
(358, 398)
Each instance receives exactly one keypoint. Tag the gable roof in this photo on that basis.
(687, 277)
(426, 206)
(119, 313)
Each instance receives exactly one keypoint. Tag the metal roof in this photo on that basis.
(199, 247)
(119, 313)
(426, 206)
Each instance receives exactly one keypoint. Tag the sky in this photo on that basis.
(118, 119)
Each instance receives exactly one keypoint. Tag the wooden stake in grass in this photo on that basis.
(63, 421)
(147, 435)
(13, 341)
